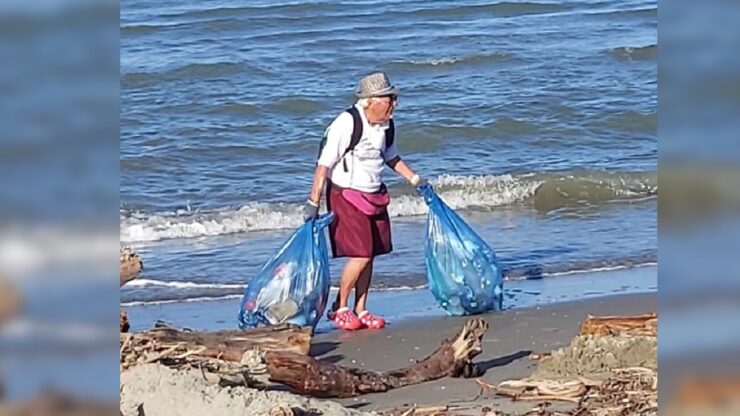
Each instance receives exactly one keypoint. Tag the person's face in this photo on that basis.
(381, 108)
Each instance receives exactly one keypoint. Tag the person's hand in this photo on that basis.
(420, 184)
(417, 181)
(310, 211)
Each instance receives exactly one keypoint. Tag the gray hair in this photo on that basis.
(365, 102)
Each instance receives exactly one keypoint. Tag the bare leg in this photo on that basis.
(362, 288)
(351, 273)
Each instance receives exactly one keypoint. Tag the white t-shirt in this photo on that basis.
(365, 162)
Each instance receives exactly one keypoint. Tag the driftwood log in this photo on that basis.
(281, 355)
(646, 325)
(230, 345)
(322, 379)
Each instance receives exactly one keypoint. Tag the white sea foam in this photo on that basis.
(459, 192)
(181, 285)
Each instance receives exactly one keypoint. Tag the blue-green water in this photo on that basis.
(535, 120)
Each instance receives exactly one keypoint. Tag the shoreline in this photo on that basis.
(400, 306)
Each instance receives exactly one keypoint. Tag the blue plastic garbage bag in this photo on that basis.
(293, 286)
(462, 270)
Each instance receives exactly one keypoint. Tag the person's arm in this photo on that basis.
(337, 137)
(394, 161)
(319, 180)
(401, 168)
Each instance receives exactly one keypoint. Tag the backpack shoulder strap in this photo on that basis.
(356, 134)
(390, 134)
(356, 130)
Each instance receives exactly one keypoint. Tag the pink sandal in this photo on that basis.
(371, 321)
(345, 319)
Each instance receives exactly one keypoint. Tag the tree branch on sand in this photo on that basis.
(165, 343)
(321, 379)
(280, 354)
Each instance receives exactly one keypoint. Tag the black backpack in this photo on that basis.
(390, 135)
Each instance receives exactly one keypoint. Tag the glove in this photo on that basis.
(416, 181)
(420, 184)
(310, 211)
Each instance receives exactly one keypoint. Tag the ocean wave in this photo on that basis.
(592, 188)
(532, 272)
(252, 217)
(187, 73)
(500, 9)
(231, 109)
(635, 53)
(346, 10)
(298, 105)
(445, 62)
(543, 191)
(142, 29)
(649, 12)
(273, 10)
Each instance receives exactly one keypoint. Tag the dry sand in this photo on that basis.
(595, 356)
(155, 390)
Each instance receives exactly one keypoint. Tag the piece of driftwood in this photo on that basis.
(532, 389)
(306, 375)
(439, 410)
(646, 325)
(279, 355)
(536, 356)
(628, 391)
(131, 265)
(230, 345)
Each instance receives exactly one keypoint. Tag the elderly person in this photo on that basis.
(356, 147)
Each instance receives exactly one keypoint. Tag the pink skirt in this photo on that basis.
(354, 234)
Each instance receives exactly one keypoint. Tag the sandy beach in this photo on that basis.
(512, 336)
(506, 346)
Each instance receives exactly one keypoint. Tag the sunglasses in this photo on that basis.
(392, 97)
